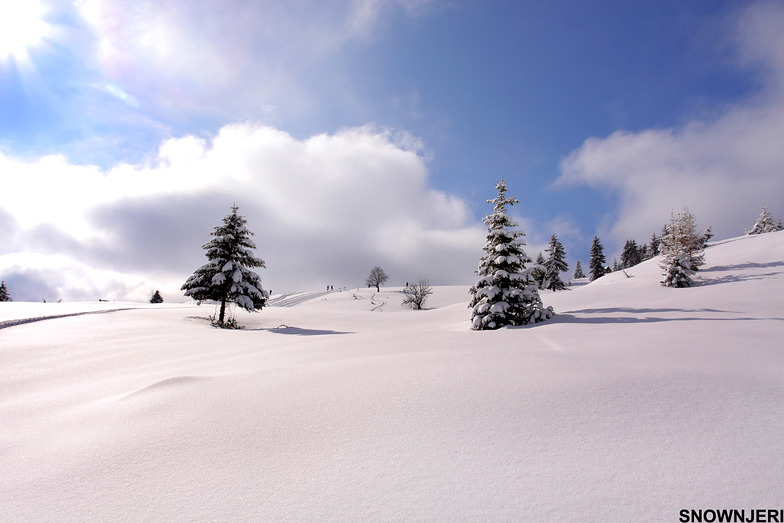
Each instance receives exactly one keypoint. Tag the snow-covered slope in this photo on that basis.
(635, 402)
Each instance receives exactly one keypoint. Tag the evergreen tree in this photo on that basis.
(682, 249)
(645, 253)
(706, 237)
(506, 292)
(630, 255)
(655, 245)
(555, 265)
(156, 298)
(597, 261)
(766, 223)
(227, 277)
(538, 270)
(615, 266)
(578, 271)
(4, 296)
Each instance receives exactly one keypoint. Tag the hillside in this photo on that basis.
(635, 402)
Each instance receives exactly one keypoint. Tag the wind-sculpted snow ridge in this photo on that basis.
(166, 384)
(633, 403)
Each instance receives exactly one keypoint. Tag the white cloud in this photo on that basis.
(723, 169)
(172, 57)
(324, 211)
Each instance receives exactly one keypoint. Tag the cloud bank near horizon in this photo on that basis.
(324, 210)
(722, 169)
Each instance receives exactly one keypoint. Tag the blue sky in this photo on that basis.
(371, 132)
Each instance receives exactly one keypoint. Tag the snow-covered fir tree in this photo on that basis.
(226, 277)
(555, 264)
(707, 236)
(156, 297)
(597, 261)
(682, 248)
(578, 271)
(766, 223)
(630, 256)
(654, 245)
(538, 270)
(506, 292)
(4, 296)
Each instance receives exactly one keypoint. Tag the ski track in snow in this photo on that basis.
(22, 321)
(290, 300)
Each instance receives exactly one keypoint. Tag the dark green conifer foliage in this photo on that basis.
(578, 271)
(227, 277)
(555, 265)
(4, 296)
(597, 261)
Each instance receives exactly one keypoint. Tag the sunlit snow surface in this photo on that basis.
(634, 402)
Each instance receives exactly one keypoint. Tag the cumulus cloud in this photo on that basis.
(722, 169)
(324, 209)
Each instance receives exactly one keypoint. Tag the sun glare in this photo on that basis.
(21, 27)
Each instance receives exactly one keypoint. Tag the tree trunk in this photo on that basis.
(222, 311)
(377, 289)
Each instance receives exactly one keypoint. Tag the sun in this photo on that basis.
(21, 27)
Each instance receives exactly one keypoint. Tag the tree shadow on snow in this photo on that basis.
(732, 278)
(298, 331)
(610, 316)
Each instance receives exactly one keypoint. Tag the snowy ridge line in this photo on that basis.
(22, 321)
(289, 300)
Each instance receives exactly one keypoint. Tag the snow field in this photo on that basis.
(632, 403)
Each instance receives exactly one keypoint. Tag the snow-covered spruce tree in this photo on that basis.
(766, 223)
(506, 292)
(538, 271)
(630, 256)
(555, 264)
(654, 245)
(682, 248)
(227, 277)
(597, 261)
(4, 296)
(578, 271)
(156, 297)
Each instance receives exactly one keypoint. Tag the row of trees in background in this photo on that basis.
(672, 239)
(679, 243)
